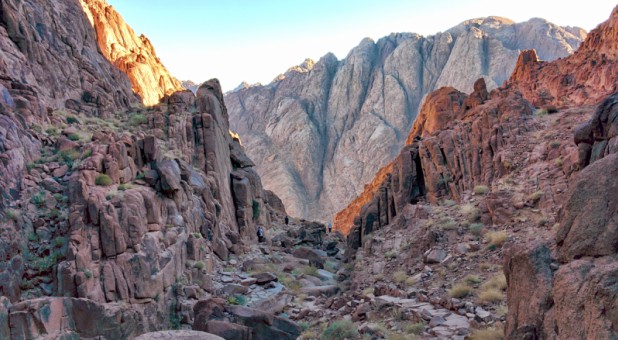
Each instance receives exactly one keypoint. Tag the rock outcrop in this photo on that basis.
(321, 131)
(133, 55)
(113, 217)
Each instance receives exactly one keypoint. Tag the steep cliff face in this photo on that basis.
(320, 132)
(111, 215)
(134, 55)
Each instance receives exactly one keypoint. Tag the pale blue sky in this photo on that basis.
(255, 40)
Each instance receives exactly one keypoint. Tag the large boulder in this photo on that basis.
(179, 335)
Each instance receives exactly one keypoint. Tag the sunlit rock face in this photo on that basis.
(131, 53)
(319, 132)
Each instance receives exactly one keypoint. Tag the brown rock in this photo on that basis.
(228, 330)
(264, 278)
(180, 335)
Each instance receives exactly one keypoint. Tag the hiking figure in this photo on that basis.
(330, 228)
(287, 220)
(260, 234)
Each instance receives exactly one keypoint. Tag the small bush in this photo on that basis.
(535, 196)
(490, 296)
(410, 281)
(237, 300)
(471, 212)
(497, 282)
(13, 214)
(73, 137)
(449, 225)
(448, 203)
(496, 238)
(310, 270)
(400, 276)
(460, 290)
(38, 199)
(492, 333)
(540, 112)
(476, 228)
(72, 120)
(199, 265)
(340, 330)
(481, 189)
(138, 119)
(391, 254)
(69, 156)
(52, 131)
(103, 180)
(415, 328)
(368, 291)
(555, 144)
(124, 186)
(471, 279)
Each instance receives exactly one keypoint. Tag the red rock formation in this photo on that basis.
(585, 77)
(134, 55)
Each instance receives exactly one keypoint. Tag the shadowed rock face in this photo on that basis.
(112, 218)
(134, 55)
(321, 131)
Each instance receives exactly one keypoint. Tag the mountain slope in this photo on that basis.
(321, 131)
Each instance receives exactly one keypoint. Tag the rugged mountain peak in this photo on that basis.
(318, 137)
(133, 54)
(604, 38)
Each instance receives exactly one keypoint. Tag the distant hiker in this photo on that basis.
(287, 220)
(260, 234)
(330, 227)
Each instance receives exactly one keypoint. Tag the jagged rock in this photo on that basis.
(227, 330)
(264, 278)
(265, 326)
(349, 118)
(435, 255)
(315, 259)
(180, 335)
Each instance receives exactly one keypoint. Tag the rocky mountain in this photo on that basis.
(521, 175)
(133, 55)
(115, 218)
(321, 131)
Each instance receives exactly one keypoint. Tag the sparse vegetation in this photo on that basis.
(124, 186)
(69, 156)
(237, 300)
(199, 265)
(540, 112)
(310, 270)
(73, 136)
(449, 224)
(410, 281)
(470, 212)
(391, 254)
(535, 196)
(400, 276)
(472, 279)
(481, 189)
(460, 290)
(448, 203)
(72, 120)
(256, 209)
(496, 282)
(38, 199)
(340, 330)
(555, 144)
(490, 296)
(103, 180)
(476, 229)
(415, 328)
(12, 214)
(138, 119)
(491, 333)
(496, 238)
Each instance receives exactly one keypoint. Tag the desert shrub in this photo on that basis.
(491, 333)
(124, 186)
(310, 270)
(460, 290)
(38, 199)
(237, 300)
(535, 196)
(138, 119)
(340, 330)
(13, 214)
(415, 328)
(471, 279)
(52, 131)
(400, 276)
(540, 112)
(199, 265)
(490, 295)
(391, 254)
(368, 291)
(410, 281)
(449, 224)
(448, 203)
(103, 180)
(73, 136)
(481, 189)
(470, 212)
(497, 282)
(476, 228)
(496, 238)
(69, 156)
(555, 144)
(72, 120)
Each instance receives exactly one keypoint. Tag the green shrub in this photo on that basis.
(103, 180)
(138, 119)
(555, 144)
(124, 186)
(391, 254)
(481, 189)
(471, 279)
(471, 212)
(199, 265)
(69, 156)
(460, 290)
(340, 330)
(52, 131)
(400, 276)
(310, 270)
(38, 199)
(72, 120)
(12, 214)
(476, 228)
(540, 112)
(73, 136)
(237, 300)
(415, 328)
